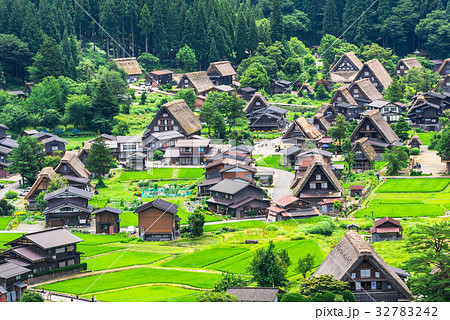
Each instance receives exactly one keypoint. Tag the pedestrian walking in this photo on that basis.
(50, 295)
(92, 299)
(71, 298)
(42, 289)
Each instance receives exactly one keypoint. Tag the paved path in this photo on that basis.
(266, 147)
(283, 180)
(430, 162)
(14, 186)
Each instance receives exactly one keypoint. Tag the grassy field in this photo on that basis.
(161, 173)
(93, 250)
(150, 294)
(128, 218)
(238, 224)
(273, 161)
(398, 210)
(76, 142)
(134, 277)
(413, 185)
(204, 258)
(4, 222)
(7, 237)
(426, 137)
(123, 259)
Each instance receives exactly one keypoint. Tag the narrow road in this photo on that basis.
(13, 186)
(430, 162)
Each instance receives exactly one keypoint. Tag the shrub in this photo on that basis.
(271, 227)
(137, 193)
(131, 239)
(348, 296)
(31, 296)
(415, 173)
(324, 228)
(11, 195)
(294, 297)
(414, 151)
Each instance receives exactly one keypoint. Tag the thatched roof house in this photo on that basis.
(377, 74)
(404, 65)
(355, 261)
(301, 129)
(199, 81)
(130, 65)
(364, 92)
(444, 68)
(346, 68)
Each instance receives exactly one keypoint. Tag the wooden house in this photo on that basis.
(365, 155)
(255, 294)
(386, 229)
(305, 158)
(404, 65)
(299, 131)
(379, 133)
(246, 93)
(199, 81)
(328, 112)
(262, 116)
(364, 92)
(444, 69)
(356, 190)
(305, 90)
(426, 109)
(194, 150)
(319, 186)
(243, 149)
(74, 171)
(224, 88)
(40, 185)
(321, 123)
(52, 143)
(290, 155)
(107, 220)
(377, 74)
(160, 77)
(443, 85)
(355, 261)
(436, 64)
(13, 278)
(68, 206)
(280, 87)
(391, 112)
(158, 220)
(174, 116)
(238, 199)
(221, 73)
(242, 157)
(161, 140)
(4, 162)
(346, 68)
(29, 132)
(415, 142)
(290, 207)
(344, 103)
(131, 152)
(44, 251)
(131, 67)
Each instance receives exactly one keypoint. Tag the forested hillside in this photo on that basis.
(214, 29)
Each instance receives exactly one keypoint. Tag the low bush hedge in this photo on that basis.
(11, 195)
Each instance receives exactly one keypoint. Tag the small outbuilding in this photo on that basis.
(107, 220)
(415, 142)
(386, 229)
(356, 190)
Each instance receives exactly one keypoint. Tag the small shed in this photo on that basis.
(353, 226)
(131, 67)
(415, 142)
(107, 220)
(386, 229)
(356, 190)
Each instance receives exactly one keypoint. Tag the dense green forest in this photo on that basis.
(213, 29)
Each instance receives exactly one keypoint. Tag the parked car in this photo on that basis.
(131, 229)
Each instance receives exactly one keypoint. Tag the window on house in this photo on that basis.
(356, 95)
(355, 90)
(186, 81)
(60, 250)
(201, 149)
(71, 262)
(312, 185)
(367, 127)
(406, 71)
(398, 71)
(258, 103)
(358, 285)
(175, 128)
(65, 167)
(54, 148)
(318, 177)
(365, 273)
(324, 185)
(377, 274)
(375, 84)
(339, 98)
(248, 176)
(366, 73)
(402, 67)
(165, 114)
(353, 275)
(18, 277)
(62, 264)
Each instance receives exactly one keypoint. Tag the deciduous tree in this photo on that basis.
(27, 159)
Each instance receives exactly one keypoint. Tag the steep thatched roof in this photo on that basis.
(199, 80)
(366, 147)
(367, 88)
(308, 129)
(349, 253)
(445, 79)
(345, 76)
(130, 65)
(184, 116)
(224, 68)
(307, 87)
(323, 122)
(416, 139)
(441, 69)
(318, 162)
(380, 124)
(257, 96)
(46, 173)
(346, 95)
(411, 62)
(71, 159)
(379, 71)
